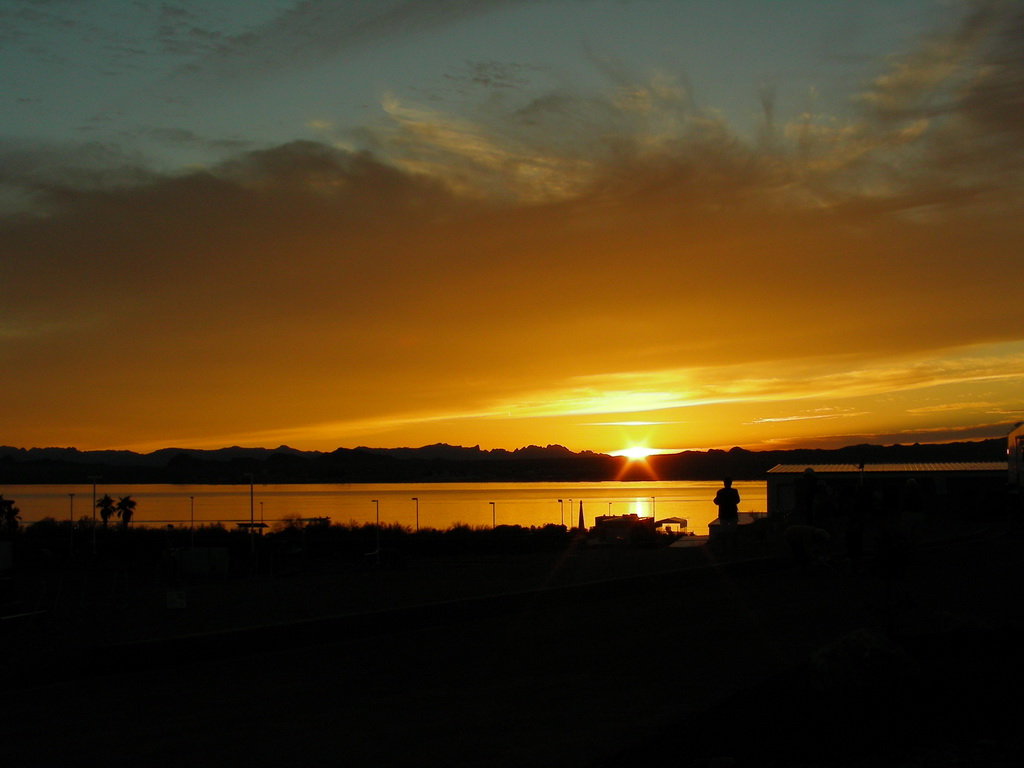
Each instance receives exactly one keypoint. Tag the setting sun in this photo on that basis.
(636, 452)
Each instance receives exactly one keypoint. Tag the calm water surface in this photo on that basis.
(440, 505)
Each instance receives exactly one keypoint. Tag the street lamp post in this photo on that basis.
(653, 515)
(252, 522)
(561, 512)
(94, 478)
(72, 517)
(252, 517)
(493, 518)
(414, 498)
(376, 506)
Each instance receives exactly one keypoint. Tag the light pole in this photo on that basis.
(252, 523)
(414, 498)
(192, 521)
(72, 497)
(94, 478)
(653, 516)
(376, 506)
(493, 518)
(561, 512)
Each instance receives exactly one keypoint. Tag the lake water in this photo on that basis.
(439, 505)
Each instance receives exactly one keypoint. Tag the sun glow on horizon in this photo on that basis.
(637, 452)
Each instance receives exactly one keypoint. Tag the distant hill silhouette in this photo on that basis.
(443, 463)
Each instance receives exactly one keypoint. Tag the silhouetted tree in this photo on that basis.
(125, 510)
(106, 507)
(9, 516)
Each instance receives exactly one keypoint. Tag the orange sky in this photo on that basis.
(625, 267)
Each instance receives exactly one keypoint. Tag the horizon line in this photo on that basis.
(618, 453)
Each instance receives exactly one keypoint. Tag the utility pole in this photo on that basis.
(72, 518)
(93, 479)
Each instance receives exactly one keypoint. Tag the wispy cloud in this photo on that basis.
(472, 159)
(655, 391)
(631, 423)
(948, 407)
(807, 417)
(308, 33)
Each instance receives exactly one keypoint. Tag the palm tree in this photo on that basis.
(125, 510)
(106, 508)
(9, 516)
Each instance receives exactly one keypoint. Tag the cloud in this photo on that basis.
(946, 407)
(806, 417)
(937, 127)
(924, 81)
(472, 158)
(942, 120)
(994, 97)
(311, 32)
(187, 138)
(492, 74)
(779, 381)
(32, 168)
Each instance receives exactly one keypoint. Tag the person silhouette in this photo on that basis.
(728, 501)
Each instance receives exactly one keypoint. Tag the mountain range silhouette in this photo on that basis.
(444, 463)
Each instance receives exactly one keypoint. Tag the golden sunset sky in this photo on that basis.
(592, 223)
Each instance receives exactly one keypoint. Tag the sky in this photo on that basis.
(503, 223)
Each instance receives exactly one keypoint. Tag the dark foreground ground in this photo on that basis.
(591, 657)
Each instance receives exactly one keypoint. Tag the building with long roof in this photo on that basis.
(803, 492)
(1015, 454)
